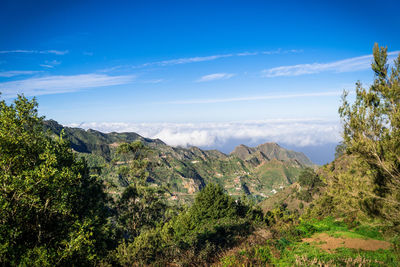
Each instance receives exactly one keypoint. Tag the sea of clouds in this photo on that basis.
(293, 132)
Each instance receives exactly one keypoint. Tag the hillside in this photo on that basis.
(270, 151)
(260, 171)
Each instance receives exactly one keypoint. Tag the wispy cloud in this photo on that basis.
(187, 60)
(13, 73)
(61, 84)
(346, 65)
(50, 64)
(215, 76)
(153, 81)
(56, 52)
(243, 54)
(214, 57)
(179, 61)
(298, 132)
(254, 98)
(21, 51)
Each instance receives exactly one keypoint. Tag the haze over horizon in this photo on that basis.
(208, 74)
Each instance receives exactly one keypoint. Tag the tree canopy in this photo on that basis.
(51, 211)
(372, 131)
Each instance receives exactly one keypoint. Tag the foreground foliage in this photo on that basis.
(372, 134)
(51, 211)
(215, 221)
(289, 250)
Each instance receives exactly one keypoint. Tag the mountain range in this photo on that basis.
(256, 171)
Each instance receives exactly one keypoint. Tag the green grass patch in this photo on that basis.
(368, 231)
(348, 235)
(329, 225)
(338, 229)
(364, 233)
(305, 254)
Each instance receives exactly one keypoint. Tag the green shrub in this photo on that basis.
(213, 222)
(305, 195)
(147, 248)
(308, 178)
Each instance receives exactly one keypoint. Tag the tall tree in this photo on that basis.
(51, 211)
(140, 206)
(372, 132)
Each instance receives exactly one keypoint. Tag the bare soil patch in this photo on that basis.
(330, 243)
(114, 144)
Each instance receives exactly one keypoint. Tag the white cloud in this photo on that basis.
(154, 81)
(60, 84)
(247, 54)
(55, 52)
(13, 73)
(50, 64)
(298, 132)
(179, 61)
(346, 65)
(254, 98)
(186, 60)
(215, 76)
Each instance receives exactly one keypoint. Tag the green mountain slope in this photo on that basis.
(259, 171)
(270, 151)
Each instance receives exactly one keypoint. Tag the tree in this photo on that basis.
(140, 206)
(51, 211)
(133, 157)
(308, 178)
(372, 132)
(140, 209)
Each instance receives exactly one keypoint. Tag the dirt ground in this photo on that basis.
(329, 243)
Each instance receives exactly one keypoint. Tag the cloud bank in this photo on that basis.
(346, 65)
(60, 84)
(253, 98)
(297, 132)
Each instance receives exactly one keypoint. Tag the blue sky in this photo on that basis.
(207, 73)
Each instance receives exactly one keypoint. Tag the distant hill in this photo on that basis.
(270, 151)
(260, 171)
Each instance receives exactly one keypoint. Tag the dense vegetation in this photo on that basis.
(52, 211)
(56, 209)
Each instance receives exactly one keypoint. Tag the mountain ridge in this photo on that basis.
(259, 171)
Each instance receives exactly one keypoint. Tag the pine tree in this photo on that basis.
(372, 133)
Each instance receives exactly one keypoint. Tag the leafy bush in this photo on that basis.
(52, 212)
(308, 178)
(214, 221)
(305, 195)
(253, 256)
(147, 248)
